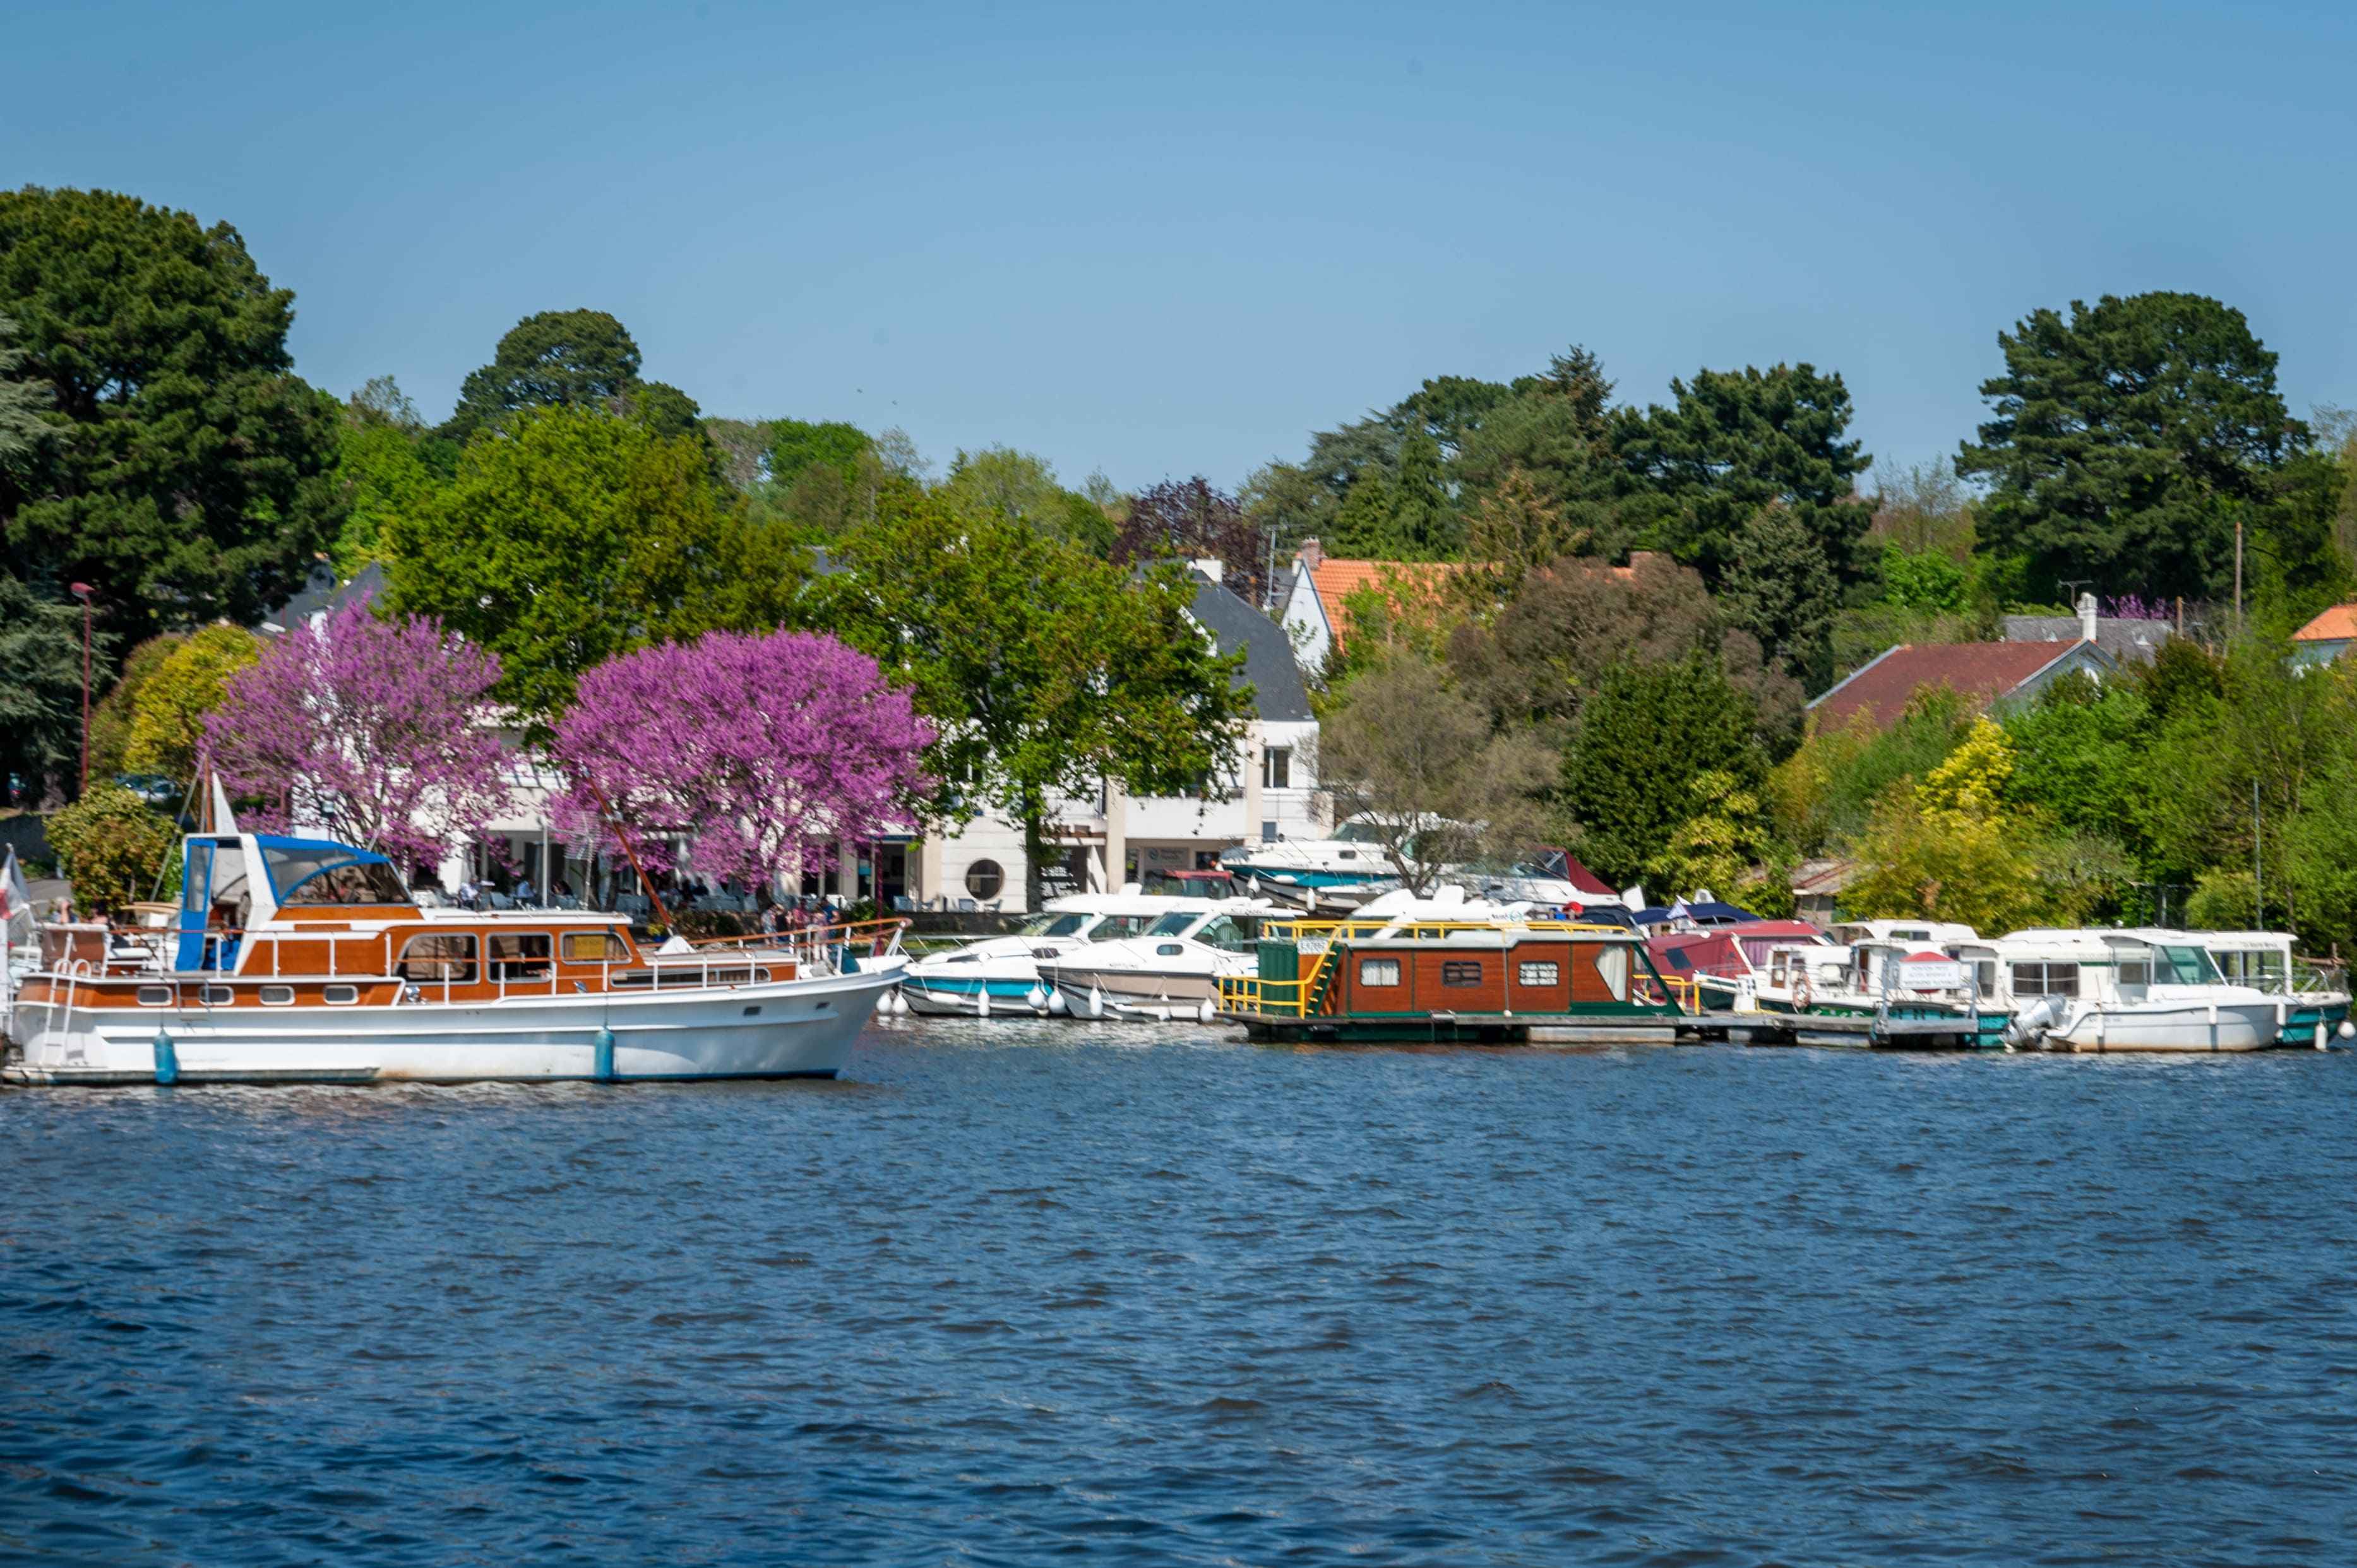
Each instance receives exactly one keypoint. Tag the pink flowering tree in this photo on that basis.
(767, 747)
(379, 732)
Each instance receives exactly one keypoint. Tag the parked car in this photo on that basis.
(160, 793)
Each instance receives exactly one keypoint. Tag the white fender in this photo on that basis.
(1057, 1006)
(1096, 1002)
(981, 1003)
(1206, 1012)
(1036, 998)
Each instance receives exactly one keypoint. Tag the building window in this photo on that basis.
(1461, 972)
(1379, 971)
(1538, 974)
(1276, 768)
(983, 879)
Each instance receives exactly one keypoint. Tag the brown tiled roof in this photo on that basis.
(1336, 580)
(2335, 625)
(1981, 672)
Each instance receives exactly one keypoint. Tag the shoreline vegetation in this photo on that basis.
(1608, 612)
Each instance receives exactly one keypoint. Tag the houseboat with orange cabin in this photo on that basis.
(1449, 970)
(300, 959)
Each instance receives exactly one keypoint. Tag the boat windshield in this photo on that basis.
(1174, 923)
(1064, 924)
(331, 874)
(1116, 927)
(2189, 966)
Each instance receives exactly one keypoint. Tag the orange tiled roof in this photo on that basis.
(1336, 580)
(2335, 625)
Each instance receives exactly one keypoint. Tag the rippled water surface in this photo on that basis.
(1030, 1292)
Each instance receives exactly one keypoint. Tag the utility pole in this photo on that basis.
(82, 591)
(2238, 573)
(2258, 887)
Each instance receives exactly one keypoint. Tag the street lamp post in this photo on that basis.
(81, 592)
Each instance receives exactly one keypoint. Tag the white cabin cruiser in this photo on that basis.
(2264, 960)
(999, 976)
(1170, 970)
(2139, 990)
(1340, 873)
(306, 961)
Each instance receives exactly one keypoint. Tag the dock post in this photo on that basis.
(602, 1067)
(167, 1061)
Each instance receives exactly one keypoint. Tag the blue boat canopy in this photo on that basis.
(321, 871)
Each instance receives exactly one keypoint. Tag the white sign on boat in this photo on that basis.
(1934, 975)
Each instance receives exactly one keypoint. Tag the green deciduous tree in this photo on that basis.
(557, 358)
(1414, 762)
(168, 711)
(578, 536)
(1017, 487)
(1046, 667)
(1646, 735)
(187, 473)
(1515, 531)
(110, 845)
(382, 471)
(1943, 848)
(110, 720)
(2125, 441)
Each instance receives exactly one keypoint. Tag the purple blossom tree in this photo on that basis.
(767, 748)
(380, 732)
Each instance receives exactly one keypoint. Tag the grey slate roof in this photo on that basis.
(322, 594)
(1277, 692)
(2121, 638)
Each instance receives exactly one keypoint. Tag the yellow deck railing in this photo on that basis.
(1275, 998)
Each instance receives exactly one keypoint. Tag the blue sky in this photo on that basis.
(1158, 244)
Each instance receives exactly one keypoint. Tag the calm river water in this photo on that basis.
(1024, 1292)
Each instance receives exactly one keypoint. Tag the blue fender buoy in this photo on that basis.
(602, 1068)
(168, 1060)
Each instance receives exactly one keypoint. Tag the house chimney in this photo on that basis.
(1211, 566)
(1308, 554)
(2086, 618)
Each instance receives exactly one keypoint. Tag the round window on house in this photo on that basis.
(983, 879)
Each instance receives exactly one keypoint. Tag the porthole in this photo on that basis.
(983, 879)
(155, 996)
(341, 996)
(278, 996)
(218, 996)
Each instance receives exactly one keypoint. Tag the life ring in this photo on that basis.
(1802, 994)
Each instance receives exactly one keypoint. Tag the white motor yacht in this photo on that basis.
(999, 976)
(305, 961)
(2139, 990)
(1170, 970)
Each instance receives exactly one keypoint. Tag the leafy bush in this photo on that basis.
(110, 844)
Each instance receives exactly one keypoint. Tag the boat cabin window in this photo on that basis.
(439, 957)
(2262, 968)
(1224, 933)
(1055, 925)
(278, 996)
(2185, 966)
(1379, 971)
(1173, 924)
(340, 995)
(1461, 972)
(2038, 979)
(1169, 950)
(593, 947)
(155, 996)
(2136, 971)
(331, 873)
(519, 955)
(1538, 973)
(1985, 971)
(1612, 965)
